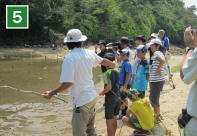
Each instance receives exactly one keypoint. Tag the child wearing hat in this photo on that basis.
(111, 92)
(157, 79)
(142, 73)
(142, 119)
(125, 79)
(140, 40)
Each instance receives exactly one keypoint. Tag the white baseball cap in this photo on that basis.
(141, 48)
(125, 51)
(156, 41)
(74, 35)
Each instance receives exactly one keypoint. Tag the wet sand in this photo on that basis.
(58, 114)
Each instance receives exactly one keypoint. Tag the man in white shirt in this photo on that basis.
(77, 77)
(188, 75)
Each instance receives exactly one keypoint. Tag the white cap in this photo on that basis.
(148, 45)
(125, 51)
(74, 35)
(156, 41)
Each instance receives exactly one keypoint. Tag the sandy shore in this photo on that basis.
(171, 100)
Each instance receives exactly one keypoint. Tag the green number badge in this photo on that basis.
(17, 16)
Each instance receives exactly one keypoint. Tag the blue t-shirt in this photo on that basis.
(166, 42)
(126, 67)
(140, 82)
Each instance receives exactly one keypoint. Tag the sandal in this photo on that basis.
(136, 133)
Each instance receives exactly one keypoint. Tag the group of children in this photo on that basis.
(118, 86)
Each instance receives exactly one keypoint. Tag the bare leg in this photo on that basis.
(110, 127)
(122, 106)
(157, 112)
(126, 102)
(115, 124)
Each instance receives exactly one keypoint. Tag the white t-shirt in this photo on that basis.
(135, 62)
(77, 68)
(155, 65)
(190, 75)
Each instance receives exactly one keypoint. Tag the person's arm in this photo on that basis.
(127, 79)
(62, 87)
(107, 89)
(128, 113)
(96, 46)
(106, 62)
(133, 115)
(166, 53)
(162, 61)
(166, 45)
(116, 54)
(147, 77)
(188, 66)
(185, 60)
(147, 71)
(107, 82)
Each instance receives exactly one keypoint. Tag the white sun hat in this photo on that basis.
(154, 35)
(74, 35)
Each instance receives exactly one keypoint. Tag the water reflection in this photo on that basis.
(28, 110)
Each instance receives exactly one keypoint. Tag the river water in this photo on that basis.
(27, 113)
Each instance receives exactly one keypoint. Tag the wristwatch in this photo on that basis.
(189, 48)
(53, 93)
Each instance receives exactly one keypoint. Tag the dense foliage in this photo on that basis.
(99, 19)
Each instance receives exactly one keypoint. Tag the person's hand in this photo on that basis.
(125, 86)
(101, 93)
(190, 40)
(48, 95)
(195, 38)
(158, 72)
(113, 49)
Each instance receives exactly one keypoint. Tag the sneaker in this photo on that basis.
(119, 117)
(161, 117)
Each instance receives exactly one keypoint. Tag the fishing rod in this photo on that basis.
(32, 92)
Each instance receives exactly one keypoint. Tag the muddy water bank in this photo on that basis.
(30, 114)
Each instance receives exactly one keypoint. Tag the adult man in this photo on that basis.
(77, 77)
(166, 42)
(103, 49)
(188, 75)
(124, 43)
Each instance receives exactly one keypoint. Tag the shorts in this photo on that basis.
(134, 123)
(112, 107)
(141, 94)
(155, 89)
(122, 94)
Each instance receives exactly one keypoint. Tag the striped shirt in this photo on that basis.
(155, 65)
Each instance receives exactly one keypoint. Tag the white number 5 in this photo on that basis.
(14, 16)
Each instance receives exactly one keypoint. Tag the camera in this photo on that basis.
(193, 30)
(117, 44)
